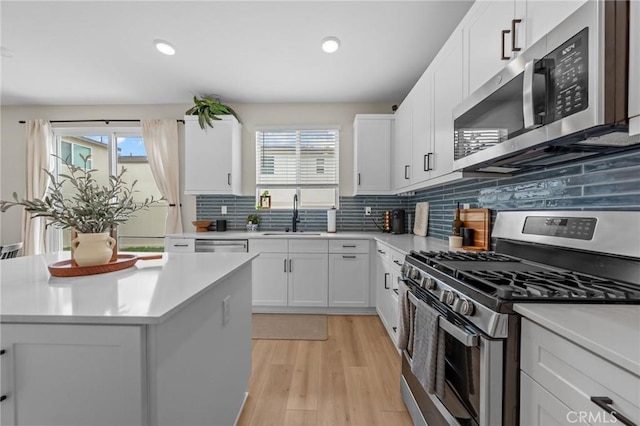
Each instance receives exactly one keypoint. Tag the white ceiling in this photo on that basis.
(101, 52)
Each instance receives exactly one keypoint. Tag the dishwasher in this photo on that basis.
(222, 246)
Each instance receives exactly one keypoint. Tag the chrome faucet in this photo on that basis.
(295, 220)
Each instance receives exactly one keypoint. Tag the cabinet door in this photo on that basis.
(372, 150)
(540, 408)
(269, 279)
(179, 245)
(446, 94)
(483, 41)
(383, 287)
(539, 17)
(422, 148)
(402, 145)
(212, 157)
(349, 280)
(72, 375)
(308, 279)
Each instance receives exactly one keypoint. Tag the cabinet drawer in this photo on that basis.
(308, 246)
(179, 245)
(268, 246)
(574, 375)
(383, 251)
(349, 246)
(397, 258)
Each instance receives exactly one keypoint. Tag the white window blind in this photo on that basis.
(303, 162)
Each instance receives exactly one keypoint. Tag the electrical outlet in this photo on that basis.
(224, 210)
(367, 211)
(226, 310)
(466, 206)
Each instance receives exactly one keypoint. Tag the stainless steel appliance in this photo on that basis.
(398, 221)
(549, 257)
(561, 100)
(222, 246)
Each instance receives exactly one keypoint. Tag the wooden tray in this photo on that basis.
(67, 268)
(479, 220)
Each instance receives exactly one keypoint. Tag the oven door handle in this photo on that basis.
(470, 340)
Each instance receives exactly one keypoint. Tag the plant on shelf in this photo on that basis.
(207, 108)
(253, 220)
(91, 209)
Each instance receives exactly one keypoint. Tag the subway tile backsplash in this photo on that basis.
(609, 183)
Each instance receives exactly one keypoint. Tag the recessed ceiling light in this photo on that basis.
(330, 44)
(165, 47)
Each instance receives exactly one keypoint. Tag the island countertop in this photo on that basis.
(146, 293)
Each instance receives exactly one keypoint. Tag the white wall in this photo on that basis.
(12, 150)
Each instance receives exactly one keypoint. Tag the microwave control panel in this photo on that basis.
(569, 76)
(578, 228)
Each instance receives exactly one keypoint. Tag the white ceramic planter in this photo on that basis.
(92, 249)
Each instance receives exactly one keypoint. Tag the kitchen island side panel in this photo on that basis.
(202, 361)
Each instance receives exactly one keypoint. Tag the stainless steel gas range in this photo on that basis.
(540, 256)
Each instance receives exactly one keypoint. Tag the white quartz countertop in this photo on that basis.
(146, 293)
(402, 242)
(611, 331)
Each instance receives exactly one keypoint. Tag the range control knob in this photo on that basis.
(415, 274)
(404, 269)
(448, 297)
(464, 307)
(428, 283)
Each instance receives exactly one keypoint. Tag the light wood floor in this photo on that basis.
(352, 378)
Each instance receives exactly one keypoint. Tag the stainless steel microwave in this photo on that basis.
(563, 99)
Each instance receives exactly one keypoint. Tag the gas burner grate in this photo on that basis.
(471, 257)
(554, 285)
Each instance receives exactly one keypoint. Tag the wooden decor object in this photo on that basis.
(67, 268)
(202, 225)
(478, 220)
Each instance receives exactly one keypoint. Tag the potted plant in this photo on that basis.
(207, 108)
(92, 211)
(253, 220)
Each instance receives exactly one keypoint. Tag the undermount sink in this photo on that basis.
(300, 233)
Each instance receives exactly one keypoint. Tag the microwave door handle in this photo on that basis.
(528, 108)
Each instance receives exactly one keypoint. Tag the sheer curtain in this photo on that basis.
(39, 158)
(161, 143)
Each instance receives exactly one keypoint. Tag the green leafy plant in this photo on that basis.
(253, 218)
(207, 108)
(93, 208)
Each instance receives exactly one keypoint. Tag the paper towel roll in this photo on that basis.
(331, 220)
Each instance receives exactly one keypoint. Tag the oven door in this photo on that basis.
(473, 378)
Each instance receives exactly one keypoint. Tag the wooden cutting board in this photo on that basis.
(478, 220)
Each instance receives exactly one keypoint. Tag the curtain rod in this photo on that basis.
(106, 121)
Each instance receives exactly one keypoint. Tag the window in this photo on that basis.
(298, 161)
(111, 150)
(73, 153)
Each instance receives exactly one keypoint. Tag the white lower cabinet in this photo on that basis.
(270, 279)
(291, 272)
(46, 369)
(308, 279)
(179, 245)
(349, 274)
(387, 274)
(560, 378)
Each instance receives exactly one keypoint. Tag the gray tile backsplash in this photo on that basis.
(609, 183)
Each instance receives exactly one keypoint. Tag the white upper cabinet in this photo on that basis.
(496, 31)
(372, 141)
(213, 157)
(402, 146)
(422, 148)
(446, 94)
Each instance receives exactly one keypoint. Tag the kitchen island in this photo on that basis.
(165, 342)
